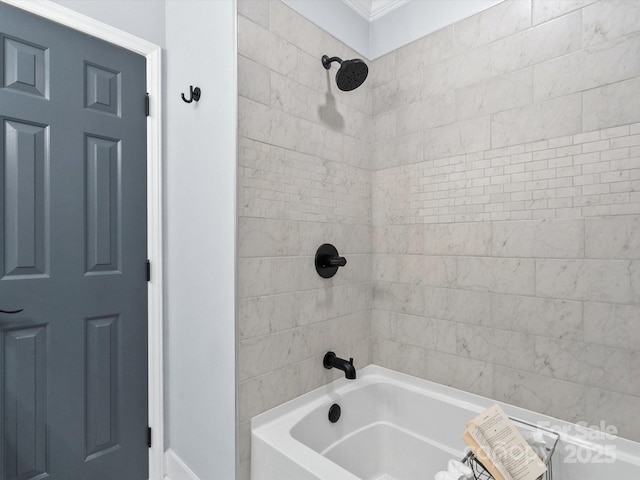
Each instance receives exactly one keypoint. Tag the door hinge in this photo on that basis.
(148, 270)
(147, 108)
(149, 437)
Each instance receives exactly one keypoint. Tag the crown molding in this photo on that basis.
(371, 10)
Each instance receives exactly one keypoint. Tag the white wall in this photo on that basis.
(199, 167)
(399, 27)
(200, 246)
(143, 18)
(416, 19)
(338, 19)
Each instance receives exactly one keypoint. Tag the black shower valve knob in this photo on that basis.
(336, 261)
(328, 260)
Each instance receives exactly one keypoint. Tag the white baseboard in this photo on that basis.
(175, 468)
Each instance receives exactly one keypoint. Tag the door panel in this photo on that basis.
(102, 89)
(102, 377)
(25, 146)
(25, 66)
(73, 393)
(102, 213)
(24, 420)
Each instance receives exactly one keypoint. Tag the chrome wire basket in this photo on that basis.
(551, 440)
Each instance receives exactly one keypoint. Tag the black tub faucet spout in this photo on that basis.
(332, 361)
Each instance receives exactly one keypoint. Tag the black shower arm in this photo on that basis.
(326, 61)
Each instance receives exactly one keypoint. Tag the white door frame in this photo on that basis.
(153, 54)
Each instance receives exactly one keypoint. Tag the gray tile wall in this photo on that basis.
(304, 179)
(506, 208)
(484, 185)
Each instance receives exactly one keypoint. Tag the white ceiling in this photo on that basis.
(373, 9)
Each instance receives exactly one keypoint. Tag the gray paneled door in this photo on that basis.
(73, 363)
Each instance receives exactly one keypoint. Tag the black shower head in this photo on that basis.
(351, 74)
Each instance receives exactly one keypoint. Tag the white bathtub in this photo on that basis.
(397, 427)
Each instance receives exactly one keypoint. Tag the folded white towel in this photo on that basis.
(459, 470)
(445, 476)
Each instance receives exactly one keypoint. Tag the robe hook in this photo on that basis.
(195, 94)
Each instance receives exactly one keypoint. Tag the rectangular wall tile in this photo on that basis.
(548, 40)
(424, 52)
(611, 105)
(399, 298)
(403, 91)
(431, 112)
(495, 95)
(498, 347)
(587, 364)
(462, 306)
(441, 77)
(545, 10)
(261, 237)
(268, 314)
(459, 372)
(539, 238)
(403, 239)
(254, 277)
(415, 270)
(613, 409)
(266, 124)
(253, 81)
(497, 275)
(499, 21)
(384, 69)
(553, 318)
(359, 153)
(599, 65)
(396, 151)
(319, 141)
(561, 116)
(243, 439)
(416, 330)
(472, 238)
(382, 322)
(326, 303)
(462, 137)
(260, 355)
(295, 29)
(539, 393)
(612, 325)
(266, 48)
(400, 357)
(610, 19)
(614, 281)
(613, 237)
(256, 10)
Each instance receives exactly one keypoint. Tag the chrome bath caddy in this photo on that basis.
(549, 436)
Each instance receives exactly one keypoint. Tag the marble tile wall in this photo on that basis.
(304, 179)
(506, 208)
(582, 175)
(484, 185)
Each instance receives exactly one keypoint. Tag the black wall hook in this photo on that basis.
(195, 94)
